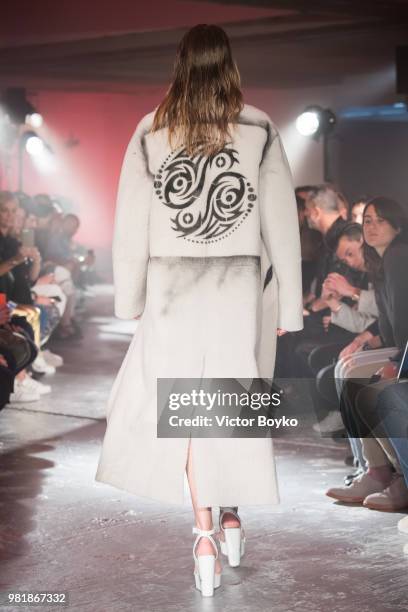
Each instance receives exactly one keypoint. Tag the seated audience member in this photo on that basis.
(20, 265)
(25, 217)
(49, 221)
(311, 241)
(360, 317)
(60, 246)
(60, 253)
(363, 312)
(323, 214)
(22, 274)
(385, 230)
(47, 296)
(357, 210)
(19, 268)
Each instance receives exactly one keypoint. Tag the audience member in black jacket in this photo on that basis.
(385, 227)
(392, 293)
(23, 263)
(324, 213)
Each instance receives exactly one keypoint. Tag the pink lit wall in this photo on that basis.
(86, 174)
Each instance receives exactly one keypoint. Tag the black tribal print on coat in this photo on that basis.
(204, 217)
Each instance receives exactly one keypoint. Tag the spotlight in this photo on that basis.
(307, 123)
(315, 121)
(35, 120)
(40, 152)
(34, 145)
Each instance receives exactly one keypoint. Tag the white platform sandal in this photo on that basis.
(233, 545)
(206, 580)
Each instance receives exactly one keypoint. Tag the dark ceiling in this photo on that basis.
(298, 43)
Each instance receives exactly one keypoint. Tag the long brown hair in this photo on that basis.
(205, 94)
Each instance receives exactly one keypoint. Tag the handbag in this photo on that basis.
(15, 347)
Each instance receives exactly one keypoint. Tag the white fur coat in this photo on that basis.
(193, 240)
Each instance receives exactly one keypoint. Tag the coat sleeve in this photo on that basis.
(280, 230)
(130, 247)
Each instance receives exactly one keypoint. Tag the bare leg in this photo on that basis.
(203, 516)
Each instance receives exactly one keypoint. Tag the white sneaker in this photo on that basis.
(40, 366)
(403, 525)
(331, 423)
(52, 358)
(36, 385)
(22, 392)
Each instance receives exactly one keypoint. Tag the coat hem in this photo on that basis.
(275, 501)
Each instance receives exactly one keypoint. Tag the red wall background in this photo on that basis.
(87, 174)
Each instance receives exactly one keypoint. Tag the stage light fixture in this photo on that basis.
(34, 145)
(35, 120)
(41, 154)
(315, 121)
(307, 123)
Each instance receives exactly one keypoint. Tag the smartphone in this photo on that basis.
(403, 369)
(27, 237)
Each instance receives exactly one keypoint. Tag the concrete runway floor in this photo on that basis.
(112, 551)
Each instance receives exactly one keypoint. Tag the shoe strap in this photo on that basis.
(202, 533)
